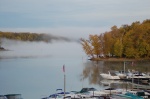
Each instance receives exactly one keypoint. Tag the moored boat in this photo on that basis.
(112, 91)
(139, 93)
(130, 96)
(109, 76)
(121, 74)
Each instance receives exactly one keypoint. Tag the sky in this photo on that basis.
(72, 18)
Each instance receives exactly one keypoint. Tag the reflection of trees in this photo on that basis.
(142, 66)
(112, 65)
(94, 75)
(91, 72)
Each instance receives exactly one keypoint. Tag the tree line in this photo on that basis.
(32, 37)
(127, 41)
(23, 36)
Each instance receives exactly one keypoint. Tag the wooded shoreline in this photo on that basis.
(127, 41)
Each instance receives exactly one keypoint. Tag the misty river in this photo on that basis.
(35, 70)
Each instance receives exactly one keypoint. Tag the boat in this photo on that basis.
(55, 96)
(121, 74)
(139, 79)
(90, 92)
(139, 93)
(143, 94)
(61, 96)
(111, 91)
(129, 95)
(147, 75)
(109, 76)
(13, 96)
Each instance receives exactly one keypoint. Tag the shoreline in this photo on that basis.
(119, 59)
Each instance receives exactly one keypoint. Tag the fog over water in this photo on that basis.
(34, 69)
(63, 42)
(56, 46)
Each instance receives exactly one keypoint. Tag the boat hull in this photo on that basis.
(107, 76)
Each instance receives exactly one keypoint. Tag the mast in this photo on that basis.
(64, 85)
(124, 66)
(64, 81)
(82, 72)
(132, 80)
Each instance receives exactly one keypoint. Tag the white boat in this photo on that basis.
(121, 74)
(138, 77)
(113, 91)
(133, 73)
(95, 92)
(109, 76)
(147, 75)
(90, 92)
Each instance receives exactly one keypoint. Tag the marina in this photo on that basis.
(138, 89)
(109, 93)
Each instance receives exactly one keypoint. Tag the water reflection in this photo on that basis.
(92, 70)
(142, 66)
(116, 84)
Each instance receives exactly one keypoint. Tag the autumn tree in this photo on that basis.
(87, 47)
(92, 47)
(130, 41)
(118, 48)
(94, 40)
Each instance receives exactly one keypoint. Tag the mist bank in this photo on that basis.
(37, 45)
(34, 37)
(21, 49)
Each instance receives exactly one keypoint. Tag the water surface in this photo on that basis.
(35, 70)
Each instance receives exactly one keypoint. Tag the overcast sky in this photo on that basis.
(70, 17)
